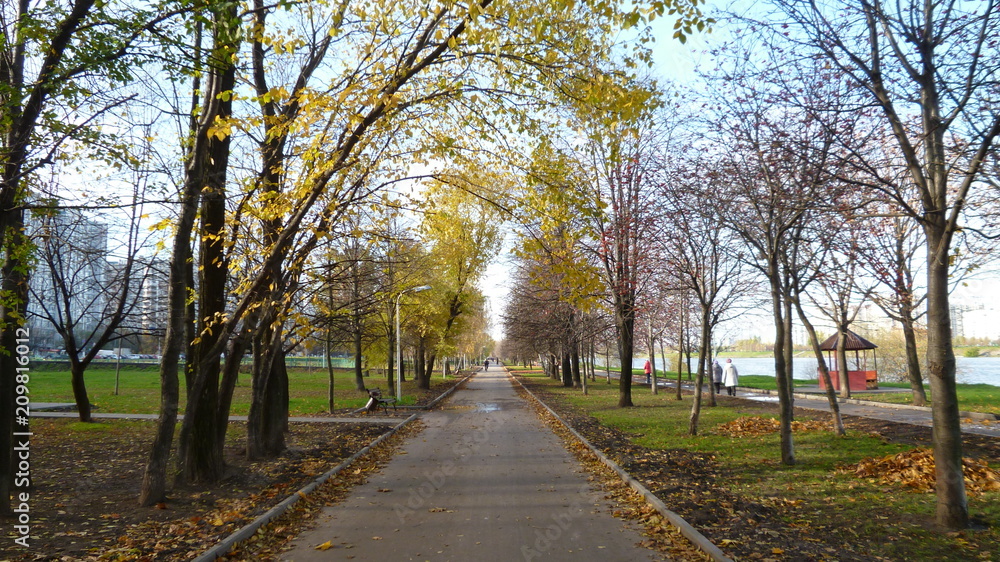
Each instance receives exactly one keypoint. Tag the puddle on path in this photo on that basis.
(478, 407)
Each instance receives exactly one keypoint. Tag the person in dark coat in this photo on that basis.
(717, 376)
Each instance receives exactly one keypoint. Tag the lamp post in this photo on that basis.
(399, 345)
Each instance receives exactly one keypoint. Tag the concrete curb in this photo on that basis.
(248, 530)
(689, 532)
(872, 403)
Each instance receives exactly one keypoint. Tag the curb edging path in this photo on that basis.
(247, 531)
(686, 529)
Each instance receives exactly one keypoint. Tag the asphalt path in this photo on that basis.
(902, 413)
(887, 412)
(485, 480)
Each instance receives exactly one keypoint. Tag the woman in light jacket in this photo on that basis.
(730, 377)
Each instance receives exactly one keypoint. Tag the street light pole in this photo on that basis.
(399, 344)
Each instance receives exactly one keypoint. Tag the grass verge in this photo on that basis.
(139, 390)
(867, 518)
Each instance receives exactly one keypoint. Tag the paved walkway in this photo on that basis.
(881, 411)
(887, 412)
(485, 480)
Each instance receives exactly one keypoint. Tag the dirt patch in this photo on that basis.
(86, 490)
(87, 479)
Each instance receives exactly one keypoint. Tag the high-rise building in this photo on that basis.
(68, 285)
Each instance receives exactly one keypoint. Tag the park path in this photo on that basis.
(887, 412)
(485, 480)
(813, 398)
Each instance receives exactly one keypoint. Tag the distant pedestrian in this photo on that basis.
(731, 377)
(648, 369)
(717, 376)
(486, 365)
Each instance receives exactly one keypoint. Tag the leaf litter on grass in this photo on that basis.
(754, 426)
(914, 469)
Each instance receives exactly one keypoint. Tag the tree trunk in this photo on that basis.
(76, 369)
(567, 370)
(359, 375)
(15, 286)
(626, 334)
(913, 362)
(663, 358)
(230, 376)
(329, 368)
(824, 372)
(391, 339)
(574, 358)
(706, 334)
(592, 360)
(268, 417)
(276, 406)
(418, 360)
(781, 374)
(709, 361)
(952, 504)
(652, 360)
(789, 356)
(200, 457)
(154, 479)
(424, 378)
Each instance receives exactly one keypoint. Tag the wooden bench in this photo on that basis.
(376, 400)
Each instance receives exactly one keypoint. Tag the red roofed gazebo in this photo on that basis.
(860, 377)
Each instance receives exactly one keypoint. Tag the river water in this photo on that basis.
(971, 370)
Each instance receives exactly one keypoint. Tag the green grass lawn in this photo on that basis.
(139, 390)
(889, 517)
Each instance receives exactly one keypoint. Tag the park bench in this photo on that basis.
(376, 400)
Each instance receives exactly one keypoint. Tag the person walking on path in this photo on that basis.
(717, 376)
(730, 377)
(486, 365)
(648, 369)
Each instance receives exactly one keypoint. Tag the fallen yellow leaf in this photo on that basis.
(325, 546)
